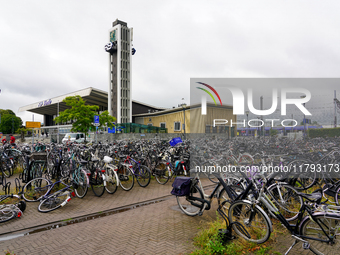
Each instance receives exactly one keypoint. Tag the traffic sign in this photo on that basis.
(96, 119)
(33, 124)
(96, 124)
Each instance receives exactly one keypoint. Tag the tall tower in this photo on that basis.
(119, 49)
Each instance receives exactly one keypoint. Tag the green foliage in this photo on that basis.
(273, 132)
(23, 129)
(82, 115)
(106, 120)
(324, 132)
(9, 121)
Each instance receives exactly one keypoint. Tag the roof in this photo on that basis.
(176, 109)
(90, 95)
(49, 106)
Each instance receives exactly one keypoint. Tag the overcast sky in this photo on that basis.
(50, 48)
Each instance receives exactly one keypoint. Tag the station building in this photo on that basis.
(179, 120)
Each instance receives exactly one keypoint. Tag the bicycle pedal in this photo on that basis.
(306, 245)
(200, 213)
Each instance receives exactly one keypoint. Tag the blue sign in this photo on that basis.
(111, 130)
(96, 118)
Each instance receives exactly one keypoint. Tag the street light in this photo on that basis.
(183, 105)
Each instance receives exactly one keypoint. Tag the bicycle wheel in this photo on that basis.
(246, 160)
(249, 221)
(143, 175)
(6, 213)
(301, 178)
(54, 201)
(286, 199)
(162, 173)
(330, 224)
(111, 181)
(223, 196)
(337, 195)
(208, 169)
(97, 184)
(35, 189)
(5, 169)
(186, 205)
(126, 178)
(81, 181)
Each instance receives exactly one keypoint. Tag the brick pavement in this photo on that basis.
(159, 228)
(89, 204)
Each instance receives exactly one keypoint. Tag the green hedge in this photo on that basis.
(324, 132)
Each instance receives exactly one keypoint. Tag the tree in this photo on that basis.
(81, 115)
(9, 122)
(106, 120)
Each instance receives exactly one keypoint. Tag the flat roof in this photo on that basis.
(90, 95)
(177, 109)
(50, 106)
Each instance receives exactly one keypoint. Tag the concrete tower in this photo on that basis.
(119, 49)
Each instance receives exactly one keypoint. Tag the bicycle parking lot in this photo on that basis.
(150, 215)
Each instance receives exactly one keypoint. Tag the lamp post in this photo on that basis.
(247, 112)
(183, 105)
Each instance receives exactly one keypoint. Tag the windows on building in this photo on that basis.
(177, 126)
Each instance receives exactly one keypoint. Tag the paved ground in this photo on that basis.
(157, 228)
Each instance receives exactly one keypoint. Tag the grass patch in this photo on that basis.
(68, 219)
(208, 241)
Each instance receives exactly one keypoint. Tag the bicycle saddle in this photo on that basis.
(316, 196)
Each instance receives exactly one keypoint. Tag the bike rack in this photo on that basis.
(18, 186)
(226, 234)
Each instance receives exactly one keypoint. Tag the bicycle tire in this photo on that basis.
(81, 181)
(6, 213)
(258, 230)
(53, 202)
(35, 189)
(303, 179)
(206, 168)
(143, 175)
(126, 178)
(162, 173)
(111, 181)
(97, 184)
(245, 159)
(223, 196)
(185, 205)
(6, 170)
(310, 228)
(337, 195)
(286, 199)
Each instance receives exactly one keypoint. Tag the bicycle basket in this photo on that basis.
(181, 186)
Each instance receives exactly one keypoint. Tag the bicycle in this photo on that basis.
(169, 168)
(50, 195)
(317, 230)
(10, 211)
(112, 180)
(141, 172)
(195, 205)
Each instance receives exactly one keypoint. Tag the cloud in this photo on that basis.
(49, 48)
